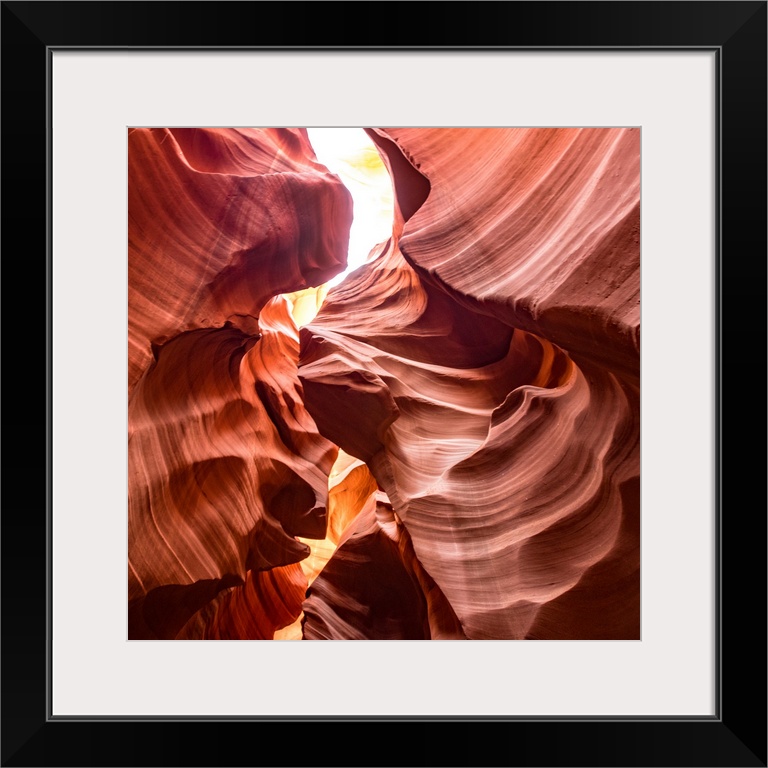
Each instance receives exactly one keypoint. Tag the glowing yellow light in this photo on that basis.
(352, 156)
(350, 483)
(305, 304)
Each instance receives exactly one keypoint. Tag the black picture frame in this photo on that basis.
(736, 736)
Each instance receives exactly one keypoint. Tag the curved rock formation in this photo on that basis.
(220, 221)
(226, 466)
(376, 574)
(480, 375)
(493, 365)
(543, 231)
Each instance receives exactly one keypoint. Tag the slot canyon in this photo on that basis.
(442, 445)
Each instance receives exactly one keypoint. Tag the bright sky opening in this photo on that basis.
(351, 155)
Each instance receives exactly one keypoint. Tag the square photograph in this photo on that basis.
(384, 383)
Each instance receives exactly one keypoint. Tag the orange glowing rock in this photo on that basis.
(220, 221)
(510, 456)
(226, 467)
(448, 449)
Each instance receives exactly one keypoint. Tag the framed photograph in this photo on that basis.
(504, 425)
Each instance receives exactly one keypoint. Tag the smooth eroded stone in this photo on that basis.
(226, 466)
(486, 368)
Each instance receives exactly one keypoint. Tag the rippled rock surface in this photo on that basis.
(493, 363)
(226, 467)
(480, 375)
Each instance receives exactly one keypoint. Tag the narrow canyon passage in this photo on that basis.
(441, 444)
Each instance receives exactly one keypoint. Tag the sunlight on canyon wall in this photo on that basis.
(444, 444)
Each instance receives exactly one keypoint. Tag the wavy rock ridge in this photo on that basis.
(481, 376)
(227, 468)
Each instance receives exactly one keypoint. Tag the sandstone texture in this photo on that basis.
(448, 450)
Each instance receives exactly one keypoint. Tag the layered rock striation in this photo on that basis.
(480, 375)
(491, 354)
(226, 467)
